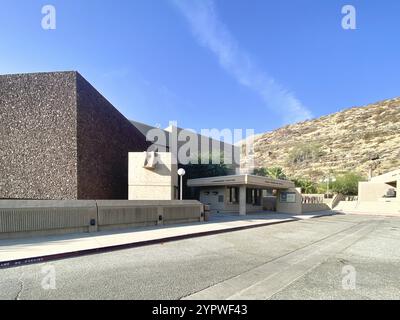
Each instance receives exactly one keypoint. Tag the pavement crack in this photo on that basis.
(21, 287)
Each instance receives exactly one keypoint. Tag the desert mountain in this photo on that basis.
(355, 139)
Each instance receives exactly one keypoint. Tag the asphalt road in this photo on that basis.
(338, 257)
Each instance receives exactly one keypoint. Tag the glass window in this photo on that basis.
(257, 197)
(249, 196)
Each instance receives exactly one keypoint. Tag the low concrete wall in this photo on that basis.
(125, 214)
(314, 207)
(391, 207)
(20, 219)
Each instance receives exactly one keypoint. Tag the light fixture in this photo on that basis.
(181, 173)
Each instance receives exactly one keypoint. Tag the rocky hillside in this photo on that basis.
(351, 140)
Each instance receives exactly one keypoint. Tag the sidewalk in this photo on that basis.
(15, 253)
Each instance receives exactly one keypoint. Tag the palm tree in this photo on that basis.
(274, 172)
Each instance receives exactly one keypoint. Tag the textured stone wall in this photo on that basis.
(105, 137)
(60, 139)
(38, 147)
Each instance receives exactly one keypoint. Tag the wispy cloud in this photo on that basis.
(211, 33)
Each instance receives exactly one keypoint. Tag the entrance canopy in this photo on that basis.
(241, 180)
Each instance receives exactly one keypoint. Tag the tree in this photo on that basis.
(347, 184)
(201, 170)
(274, 172)
(261, 172)
(307, 186)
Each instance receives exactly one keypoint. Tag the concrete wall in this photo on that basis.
(159, 183)
(269, 203)
(212, 200)
(372, 191)
(61, 139)
(105, 137)
(384, 207)
(314, 207)
(20, 219)
(125, 214)
(292, 208)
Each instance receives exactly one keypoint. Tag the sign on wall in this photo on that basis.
(288, 197)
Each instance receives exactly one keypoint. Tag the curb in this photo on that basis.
(87, 252)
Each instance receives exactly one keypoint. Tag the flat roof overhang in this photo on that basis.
(239, 180)
(390, 177)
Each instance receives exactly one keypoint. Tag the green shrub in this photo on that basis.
(194, 171)
(347, 184)
(307, 186)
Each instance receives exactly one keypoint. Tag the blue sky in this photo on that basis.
(256, 64)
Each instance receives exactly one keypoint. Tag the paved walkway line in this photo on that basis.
(15, 253)
(263, 282)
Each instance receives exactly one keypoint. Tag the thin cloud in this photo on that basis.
(211, 33)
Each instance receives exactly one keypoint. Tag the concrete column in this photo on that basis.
(242, 200)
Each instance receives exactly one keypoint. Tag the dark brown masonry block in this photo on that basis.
(60, 139)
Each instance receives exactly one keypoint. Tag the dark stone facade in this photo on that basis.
(61, 139)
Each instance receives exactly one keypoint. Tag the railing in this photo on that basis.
(313, 199)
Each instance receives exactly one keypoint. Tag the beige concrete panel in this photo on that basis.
(30, 218)
(372, 191)
(158, 183)
(292, 208)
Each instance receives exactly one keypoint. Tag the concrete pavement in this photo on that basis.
(42, 249)
(267, 279)
(305, 259)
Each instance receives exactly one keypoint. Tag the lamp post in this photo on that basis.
(181, 173)
(328, 180)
